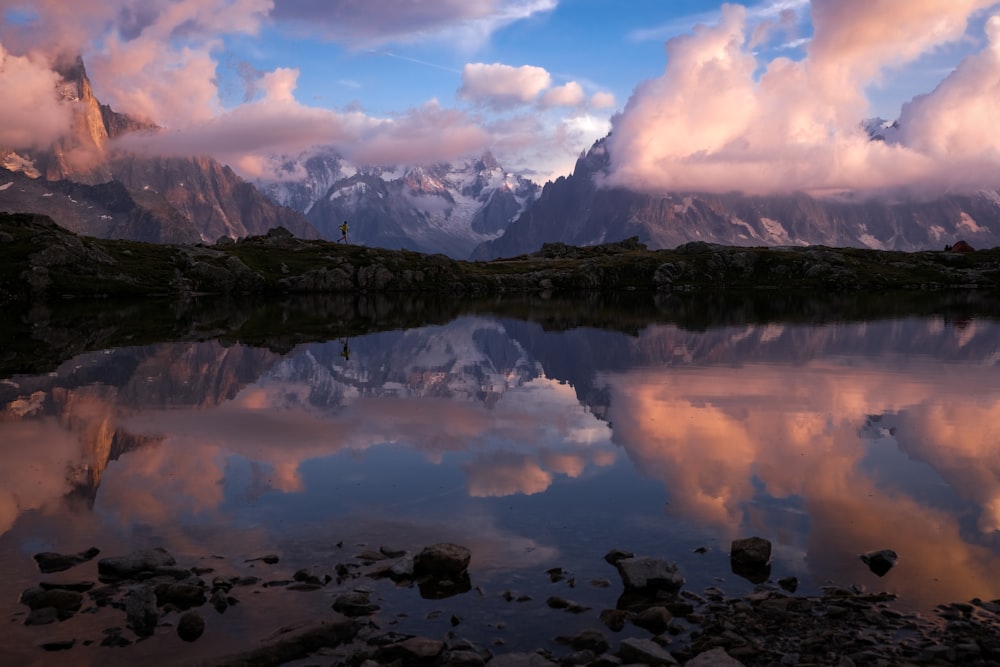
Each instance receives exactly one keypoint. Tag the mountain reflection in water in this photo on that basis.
(536, 448)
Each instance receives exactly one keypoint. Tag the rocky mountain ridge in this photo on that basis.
(577, 210)
(87, 184)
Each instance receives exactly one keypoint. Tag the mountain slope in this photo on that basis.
(577, 211)
(87, 186)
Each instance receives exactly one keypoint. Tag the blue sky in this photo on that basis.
(534, 81)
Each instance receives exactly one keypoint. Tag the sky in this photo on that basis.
(760, 97)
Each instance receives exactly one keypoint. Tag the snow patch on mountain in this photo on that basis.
(776, 231)
(967, 222)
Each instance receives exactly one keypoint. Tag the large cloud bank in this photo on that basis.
(719, 119)
(167, 61)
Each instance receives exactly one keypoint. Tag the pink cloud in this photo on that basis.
(503, 86)
(713, 122)
(603, 100)
(568, 95)
(31, 114)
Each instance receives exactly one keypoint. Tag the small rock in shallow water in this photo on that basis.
(751, 552)
(790, 584)
(141, 613)
(190, 626)
(645, 574)
(443, 559)
(750, 558)
(880, 562)
(616, 555)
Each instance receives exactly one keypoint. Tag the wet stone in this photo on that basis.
(63, 645)
(49, 561)
(645, 651)
(521, 660)
(65, 602)
(442, 560)
(79, 587)
(182, 596)
(135, 563)
(645, 574)
(614, 619)
(590, 640)
(750, 552)
(716, 657)
(355, 603)
(412, 651)
(880, 562)
(616, 555)
(268, 559)
(790, 584)
(141, 613)
(43, 616)
(654, 619)
(190, 626)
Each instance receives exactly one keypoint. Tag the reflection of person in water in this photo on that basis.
(346, 351)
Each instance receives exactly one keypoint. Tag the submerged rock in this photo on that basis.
(64, 602)
(134, 564)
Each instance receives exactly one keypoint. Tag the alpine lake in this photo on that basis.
(286, 453)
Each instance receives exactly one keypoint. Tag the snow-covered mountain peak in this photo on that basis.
(440, 208)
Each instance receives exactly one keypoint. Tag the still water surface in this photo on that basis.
(535, 448)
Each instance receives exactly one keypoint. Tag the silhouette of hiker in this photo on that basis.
(346, 351)
(343, 232)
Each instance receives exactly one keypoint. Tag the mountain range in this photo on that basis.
(472, 210)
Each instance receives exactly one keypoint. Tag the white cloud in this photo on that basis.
(363, 23)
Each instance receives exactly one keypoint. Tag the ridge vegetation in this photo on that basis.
(41, 260)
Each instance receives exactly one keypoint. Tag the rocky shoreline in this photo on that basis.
(655, 620)
(40, 260)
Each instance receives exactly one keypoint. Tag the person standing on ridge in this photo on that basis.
(343, 232)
